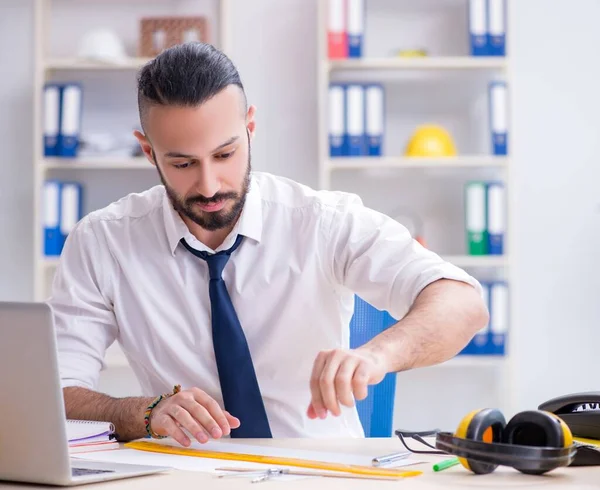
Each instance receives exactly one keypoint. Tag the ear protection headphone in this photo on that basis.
(533, 442)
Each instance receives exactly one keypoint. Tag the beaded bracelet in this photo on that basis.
(148, 412)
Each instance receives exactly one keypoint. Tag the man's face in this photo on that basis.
(202, 155)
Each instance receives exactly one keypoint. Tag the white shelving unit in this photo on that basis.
(100, 172)
(49, 66)
(372, 174)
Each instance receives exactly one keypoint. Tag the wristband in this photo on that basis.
(148, 412)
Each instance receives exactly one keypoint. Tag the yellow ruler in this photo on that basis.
(593, 442)
(276, 460)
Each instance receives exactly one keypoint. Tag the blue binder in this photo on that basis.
(355, 120)
(496, 217)
(51, 218)
(70, 208)
(356, 28)
(51, 121)
(374, 118)
(499, 317)
(478, 21)
(498, 107)
(497, 27)
(70, 120)
(337, 120)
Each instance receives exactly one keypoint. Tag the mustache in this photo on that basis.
(211, 200)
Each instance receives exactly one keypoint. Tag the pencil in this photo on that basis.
(318, 473)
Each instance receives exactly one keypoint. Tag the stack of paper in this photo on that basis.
(88, 436)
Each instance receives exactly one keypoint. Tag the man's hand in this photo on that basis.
(194, 411)
(342, 376)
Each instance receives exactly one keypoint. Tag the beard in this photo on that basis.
(216, 220)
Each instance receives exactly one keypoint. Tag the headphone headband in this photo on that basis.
(519, 457)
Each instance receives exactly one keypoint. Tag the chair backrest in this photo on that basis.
(376, 411)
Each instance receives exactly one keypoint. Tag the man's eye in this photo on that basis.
(225, 156)
(182, 165)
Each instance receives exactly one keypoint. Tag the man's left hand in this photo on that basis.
(342, 376)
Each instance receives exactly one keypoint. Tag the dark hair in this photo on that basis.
(186, 75)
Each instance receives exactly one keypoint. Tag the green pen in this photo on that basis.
(442, 465)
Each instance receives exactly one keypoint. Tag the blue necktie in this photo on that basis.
(241, 393)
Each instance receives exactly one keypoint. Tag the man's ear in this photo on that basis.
(250, 122)
(145, 146)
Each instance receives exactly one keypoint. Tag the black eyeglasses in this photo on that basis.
(418, 436)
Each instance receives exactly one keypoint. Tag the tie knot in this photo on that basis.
(216, 264)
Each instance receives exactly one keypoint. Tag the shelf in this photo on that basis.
(422, 63)
(49, 263)
(96, 163)
(474, 161)
(79, 64)
(477, 260)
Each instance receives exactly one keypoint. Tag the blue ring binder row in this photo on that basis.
(62, 119)
(376, 411)
(357, 118)
(487, 26)
(346, 28)
(62, 209)
(491, 340)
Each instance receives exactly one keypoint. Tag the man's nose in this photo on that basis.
(208, 183)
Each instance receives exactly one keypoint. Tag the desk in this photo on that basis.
(581, 478)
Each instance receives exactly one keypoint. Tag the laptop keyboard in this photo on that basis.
(88, 471)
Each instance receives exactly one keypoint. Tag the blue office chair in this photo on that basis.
(377, 409)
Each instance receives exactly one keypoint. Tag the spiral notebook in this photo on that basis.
(90, 435)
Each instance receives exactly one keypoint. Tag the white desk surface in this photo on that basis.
(581, 478)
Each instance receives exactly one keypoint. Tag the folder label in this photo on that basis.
(374, 119)
(355, 110)
(478, 27)
(497, 27)
(475, 201)
(496, 218)
(499, 117)
(71, 120)
(336, 120)
(356, 13)
(51, 218)
(337, 36)
(51, 119)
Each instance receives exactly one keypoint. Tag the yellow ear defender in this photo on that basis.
(533, 442)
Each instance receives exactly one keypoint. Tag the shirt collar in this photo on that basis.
(249, 223)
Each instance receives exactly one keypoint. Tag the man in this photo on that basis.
(239, 286)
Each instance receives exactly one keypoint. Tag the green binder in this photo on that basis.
(476, 218)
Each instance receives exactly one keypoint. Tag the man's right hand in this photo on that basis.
(194, 411)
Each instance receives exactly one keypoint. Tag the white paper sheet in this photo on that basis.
(191, 463)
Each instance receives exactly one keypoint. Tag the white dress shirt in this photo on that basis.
(125, 276)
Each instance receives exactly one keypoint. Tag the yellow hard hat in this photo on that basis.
(430, 140)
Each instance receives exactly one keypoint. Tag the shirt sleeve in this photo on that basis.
(83, 315)
(376, 257)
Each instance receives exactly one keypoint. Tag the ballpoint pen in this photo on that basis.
(389, 458)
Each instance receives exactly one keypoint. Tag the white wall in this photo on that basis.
(556, 148)
(16, 171)
(555, 145)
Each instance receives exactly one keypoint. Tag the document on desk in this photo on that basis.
(176, 461)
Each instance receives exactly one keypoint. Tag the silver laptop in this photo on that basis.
(33, 441)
